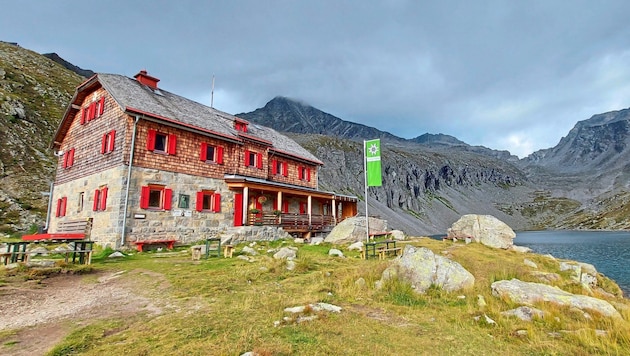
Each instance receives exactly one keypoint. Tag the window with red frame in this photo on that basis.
(279, 168)
(92, 111)
(161, 142)
(61, 207)
(155, 197)
(107, 142)
(100, 199)
(253, 159)
(240, 126)
(208, 201)
(68, 158)
(211, 153)
(304, 173)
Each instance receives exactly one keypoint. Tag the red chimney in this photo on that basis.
(146, 79)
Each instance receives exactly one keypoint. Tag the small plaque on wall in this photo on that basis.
(178, 212)
(187, 213)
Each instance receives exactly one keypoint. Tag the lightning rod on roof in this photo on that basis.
(212, 93)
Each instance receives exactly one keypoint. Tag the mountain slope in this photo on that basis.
(34, 92)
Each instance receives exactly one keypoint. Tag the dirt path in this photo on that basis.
(43, 313)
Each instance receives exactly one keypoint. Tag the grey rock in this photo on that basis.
(41, 263)
(317, 240)
(530, 263)
(422, 269)
(286, 253)
(525, 313)
(485, 229)
(358, 246)
(528, 293)
(116, 254)
(397, 235)
(249, 251)
(520, 249)
(360, 282)
(335, 252)
(290, 265)
(353, 229)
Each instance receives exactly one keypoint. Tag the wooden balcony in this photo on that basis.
(293, 222)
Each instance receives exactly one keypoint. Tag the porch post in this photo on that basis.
(245, 205)
(279, 206)
(334, 210)
(308, 209)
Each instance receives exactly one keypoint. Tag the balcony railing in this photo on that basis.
(292, 221)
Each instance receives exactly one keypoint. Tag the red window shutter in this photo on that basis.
(285, 169)
(199, 202)
(82, 116)
(274, 167)
(103, 198)
(151, 140)
(300, 173)
(219, 154)
(259, 160)
(216, 206)
(103, 143)
(302, 208)
(92, 111)
(203, 154)
(97, 193)
(308, 174)
(58, 208)
(64, 201)
(64, 160)
(285, 206)
(112, 140)
(168, 195)
(172, 144)
(275, 204)
(144, 197)
(71, 158)
(247, 158)
(101, 106)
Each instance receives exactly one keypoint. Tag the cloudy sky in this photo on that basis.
(512, 74)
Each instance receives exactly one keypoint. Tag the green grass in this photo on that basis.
(229, 306)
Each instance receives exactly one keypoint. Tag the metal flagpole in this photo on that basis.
(367, 218)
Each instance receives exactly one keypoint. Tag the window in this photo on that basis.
(61, 207)
(240, 125)
(208, 201)
(210, 153)
(161, 142)
(156, 197)
(253, 159)
(279, 168)
(107, 143)
(100, 199)
(80, 202)
(68, 158)
(93, 110)
(304, 173)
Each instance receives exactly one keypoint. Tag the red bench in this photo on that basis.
(66, 230)
(168, 242)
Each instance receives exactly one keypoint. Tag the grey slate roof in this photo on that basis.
(129, 93)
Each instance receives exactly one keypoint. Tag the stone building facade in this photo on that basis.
(146, 164)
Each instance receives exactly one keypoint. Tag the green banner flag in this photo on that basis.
(373, 162)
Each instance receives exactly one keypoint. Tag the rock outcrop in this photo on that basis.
(352, 230)
(422, 269)
(529, 293)
(485, 229)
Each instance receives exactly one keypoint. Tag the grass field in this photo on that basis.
(230, 306)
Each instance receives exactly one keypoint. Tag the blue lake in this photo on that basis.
(608, 251)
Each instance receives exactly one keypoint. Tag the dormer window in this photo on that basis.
(240, 125)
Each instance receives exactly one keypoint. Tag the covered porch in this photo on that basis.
(295, 209)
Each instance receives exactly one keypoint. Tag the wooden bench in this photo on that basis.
(228, 251)
(382, 252)
(168, 242)
(66, 230)
(379, 234)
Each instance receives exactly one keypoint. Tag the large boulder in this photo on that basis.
(485, 229)
(353, 229)
(528, 293)
(422, 268)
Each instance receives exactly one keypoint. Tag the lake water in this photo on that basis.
(608, 251)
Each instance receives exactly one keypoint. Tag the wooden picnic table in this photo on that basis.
(372, 249)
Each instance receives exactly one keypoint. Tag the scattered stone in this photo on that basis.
(481, 301)
(549, 256)
(291, 265)
(525, 313)
(548, 277)
(397, 235)
(286, 253)
(521, 333)
(298, 240)
(335, 252)
(248, 250)
(39, 251)
(358, 246)
(360, 282)
(40, 264)
(530, 263)
(245, 258)
(62, 249)
(353, 229)
(317, 240)
(529, 293)
(116, 254)
(421, 268)
(520, 249)
(484, 229)
(489, 321)
(461, 297)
